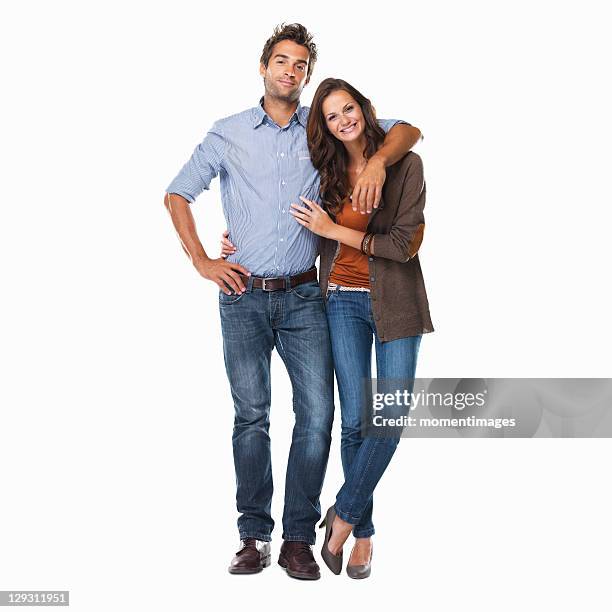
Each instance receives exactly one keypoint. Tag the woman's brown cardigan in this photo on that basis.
(397, 289)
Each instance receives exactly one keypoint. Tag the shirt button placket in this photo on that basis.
(282, 227)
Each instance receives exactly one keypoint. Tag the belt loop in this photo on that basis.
(249, 284)
(287, 282)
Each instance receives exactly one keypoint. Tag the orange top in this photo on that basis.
(351, 267)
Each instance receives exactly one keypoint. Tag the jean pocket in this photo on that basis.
(228, 300)
(308, 291)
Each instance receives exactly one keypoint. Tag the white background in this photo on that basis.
(116, 467)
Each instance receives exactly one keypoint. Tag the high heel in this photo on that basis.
(361, 571)
(334, 562)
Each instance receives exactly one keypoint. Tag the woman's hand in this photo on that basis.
(227, 248)
(316, 220)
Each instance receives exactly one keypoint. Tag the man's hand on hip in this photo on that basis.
(224, 273)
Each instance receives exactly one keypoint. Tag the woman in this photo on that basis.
(373, 284)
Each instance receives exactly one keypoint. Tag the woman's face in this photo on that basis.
(343, 116)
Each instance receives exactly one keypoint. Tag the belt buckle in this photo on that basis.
(263, 284)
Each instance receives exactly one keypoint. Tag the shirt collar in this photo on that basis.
(259, 114)
(302, 114)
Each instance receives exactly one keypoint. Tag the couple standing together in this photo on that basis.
(277, 162)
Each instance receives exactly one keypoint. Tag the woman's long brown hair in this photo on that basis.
(327, 153)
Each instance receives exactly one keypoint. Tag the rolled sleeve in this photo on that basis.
(203, 166)
(387, 124)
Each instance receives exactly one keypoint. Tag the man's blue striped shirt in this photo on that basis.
(263, 168)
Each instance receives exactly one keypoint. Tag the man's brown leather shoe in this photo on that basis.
(298, 561)
(252, 557)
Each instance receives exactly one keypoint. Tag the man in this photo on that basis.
(269, 295)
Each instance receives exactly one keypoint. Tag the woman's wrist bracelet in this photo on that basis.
(362, 241)
(365, 244)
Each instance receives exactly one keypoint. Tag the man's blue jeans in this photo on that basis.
(294, 322)
(364, 460)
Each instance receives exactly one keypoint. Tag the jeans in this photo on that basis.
(294, 322)
(364, 460)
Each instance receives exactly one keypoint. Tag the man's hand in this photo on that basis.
(223, 273)
(368, 188)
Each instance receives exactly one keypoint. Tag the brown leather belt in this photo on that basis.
(278, 282)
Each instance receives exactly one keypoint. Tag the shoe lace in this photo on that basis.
(248, 543)
(303, 551)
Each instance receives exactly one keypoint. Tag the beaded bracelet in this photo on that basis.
(364, 242)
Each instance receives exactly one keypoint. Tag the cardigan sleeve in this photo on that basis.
(405, 237)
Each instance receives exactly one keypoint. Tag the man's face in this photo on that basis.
(285, 76)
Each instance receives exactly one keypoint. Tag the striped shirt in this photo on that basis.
(263, 169)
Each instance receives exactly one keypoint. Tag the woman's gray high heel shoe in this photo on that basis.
(334, 562)
(361, 571)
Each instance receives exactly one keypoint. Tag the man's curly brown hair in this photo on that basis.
(295, 32)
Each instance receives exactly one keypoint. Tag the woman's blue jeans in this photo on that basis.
(364, 459)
